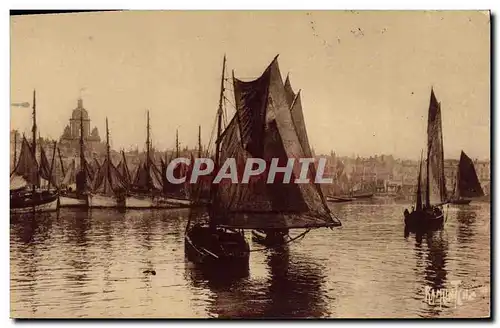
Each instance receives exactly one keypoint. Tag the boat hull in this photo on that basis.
(73, 202)
(147, 202)
(422, 220)
(41, 203)
(339, 199)
(216, 249)
(363, 196)
(270, 238)
(101, 201)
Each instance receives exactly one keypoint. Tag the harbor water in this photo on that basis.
(99, 264)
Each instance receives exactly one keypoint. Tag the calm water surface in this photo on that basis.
(81, 264)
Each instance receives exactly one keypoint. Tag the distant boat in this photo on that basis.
(362, 195)
(261, 121)
(467, 186)
(146, 190)
(80, 178)
(26, 192)
(108, 187)
(428, 212)
(334, 199)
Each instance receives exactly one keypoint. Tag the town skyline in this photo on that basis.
(143, 63)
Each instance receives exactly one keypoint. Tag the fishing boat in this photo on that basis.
(26, 194)
(262, 127)
(467, 186)
(108, 188)
(146, 191)
(362, 195)
(77, 182)
(337, 199)
(428, 211)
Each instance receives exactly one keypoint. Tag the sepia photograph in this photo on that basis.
(250, 164)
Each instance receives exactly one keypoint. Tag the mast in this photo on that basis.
(126, 166)
(177, 151)
(214, 187)
(82, 155)
(34, 131)
(61, 161)
(107, 155)
(148, 142)
(419, 185)
(199, 142)
(15, 148)
(427, 179)
(52, 164)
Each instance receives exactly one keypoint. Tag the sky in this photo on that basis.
(365, 77)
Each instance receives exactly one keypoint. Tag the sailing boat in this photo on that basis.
(81, 177)
(108, 190)
(428, 214)
(26, 196)
(146, 190)
(262, 127)
(467, 184)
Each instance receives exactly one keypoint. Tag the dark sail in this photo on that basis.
(27, 165)
(251, 102)
(70, 176)
(436, 184)
(108, 180)
(290, 95)
(259, 204)
(123, 170)
(468, 185)
(45, 171)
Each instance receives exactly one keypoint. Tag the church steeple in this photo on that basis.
(80, 103)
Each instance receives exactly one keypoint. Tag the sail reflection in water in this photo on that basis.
(101, 264)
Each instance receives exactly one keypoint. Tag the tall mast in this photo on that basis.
(177, 150)
(213, 187)
(15, 148)
(82, 155)
(34, 124)
(61, 161)
(148, 145)
(148, 142)
(419, 185)
(52, 165)
(199, 142)
(107, 155)
(34, 133)
(427, 186)
(219, 113)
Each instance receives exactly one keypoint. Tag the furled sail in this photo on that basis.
(70, 176)
(148, 178)
(27, 165)
(108, 180)
(45, 168)
(123, 170)
(263, 127)
(436, 184)
(468, 185)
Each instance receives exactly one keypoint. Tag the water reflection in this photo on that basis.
(92, 264)
(293, 288)
(431, 250)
